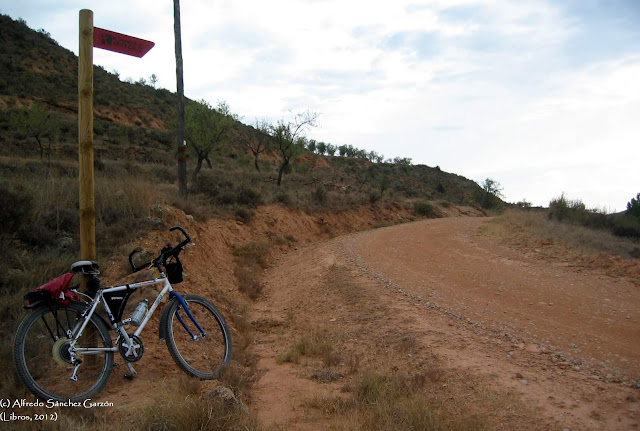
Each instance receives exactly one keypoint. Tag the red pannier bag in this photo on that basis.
(55, 290)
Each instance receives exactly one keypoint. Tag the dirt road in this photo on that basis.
(520, 341)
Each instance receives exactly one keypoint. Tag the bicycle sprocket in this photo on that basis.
(133, 352)
(61, 353)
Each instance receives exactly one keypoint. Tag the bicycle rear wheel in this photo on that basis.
(42, 359)
(202, 352)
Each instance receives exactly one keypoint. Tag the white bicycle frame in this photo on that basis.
(118, 327)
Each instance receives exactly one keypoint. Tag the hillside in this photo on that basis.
(373, 330)
(134, 121)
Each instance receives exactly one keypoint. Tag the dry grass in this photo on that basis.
(517, 225)
(314, 344)
(39, 239)
(394, 402)
(248, 276)
(181, 406)
(255, 251)
(250, 260)
(243, 371)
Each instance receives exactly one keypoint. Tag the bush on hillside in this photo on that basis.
(575, 211)
(633, 207)
(627, 226)
(16, 206)
(425, 209)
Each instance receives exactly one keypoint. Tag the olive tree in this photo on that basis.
(35, 122)
(207, 129)
(258, 141)
(288, 138)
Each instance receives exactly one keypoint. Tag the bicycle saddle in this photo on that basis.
(86, 267)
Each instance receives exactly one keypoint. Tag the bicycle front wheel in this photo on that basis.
(203, 349)
(42, 359)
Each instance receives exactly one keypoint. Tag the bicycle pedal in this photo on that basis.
(132, 372)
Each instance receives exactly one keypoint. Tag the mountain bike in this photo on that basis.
(64, 350)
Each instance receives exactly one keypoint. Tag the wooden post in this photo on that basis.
(85, 138)
(182, 148)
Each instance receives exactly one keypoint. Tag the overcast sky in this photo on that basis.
(542, 96)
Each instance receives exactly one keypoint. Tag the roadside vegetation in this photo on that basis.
(233, 169)
(182, 405)
(371, 383)
(570, 223)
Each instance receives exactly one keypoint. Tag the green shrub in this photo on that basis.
(627, 226)
(576, 212)
(316, 344)
(319, 195)
(247, 196)
(424, 209)
(369, 388)
(284, 198)
(633, 206)
(16, 206)
(256, 251)
(374, 197)
(244, 214)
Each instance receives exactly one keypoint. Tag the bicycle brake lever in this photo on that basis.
(191, 244)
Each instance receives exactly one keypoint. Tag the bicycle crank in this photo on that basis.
(133, 351)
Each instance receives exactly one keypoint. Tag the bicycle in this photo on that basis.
(63, 349)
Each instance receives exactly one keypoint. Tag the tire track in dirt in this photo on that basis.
(541, 343)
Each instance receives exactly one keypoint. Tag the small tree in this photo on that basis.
(633, 206)
(523, 204)
(153, 80)
(288, 138)
(331, 149)
(207, 129)
(321, 148)
(258, 141)
(402, 161)
(35, 122)
(311, 145)
(351, 151)
(492, 193)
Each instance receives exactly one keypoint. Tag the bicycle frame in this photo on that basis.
(66, 337)
(119, 326)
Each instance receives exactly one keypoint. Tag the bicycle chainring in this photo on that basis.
(131, 353)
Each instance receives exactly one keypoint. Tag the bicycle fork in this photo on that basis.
(185, 307)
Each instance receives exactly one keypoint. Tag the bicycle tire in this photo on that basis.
(207, 357)
(41, 359)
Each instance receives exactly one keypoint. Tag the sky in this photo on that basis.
(541, 96)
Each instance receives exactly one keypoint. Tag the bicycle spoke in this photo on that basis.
(203, 356)
(53, 337)
(44, 362)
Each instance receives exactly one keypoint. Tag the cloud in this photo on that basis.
(539, 95)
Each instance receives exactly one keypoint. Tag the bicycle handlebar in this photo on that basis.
(164, 253)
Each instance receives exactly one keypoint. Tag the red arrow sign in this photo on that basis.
(117, 42)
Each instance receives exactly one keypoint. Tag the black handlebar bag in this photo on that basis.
(174, 270)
